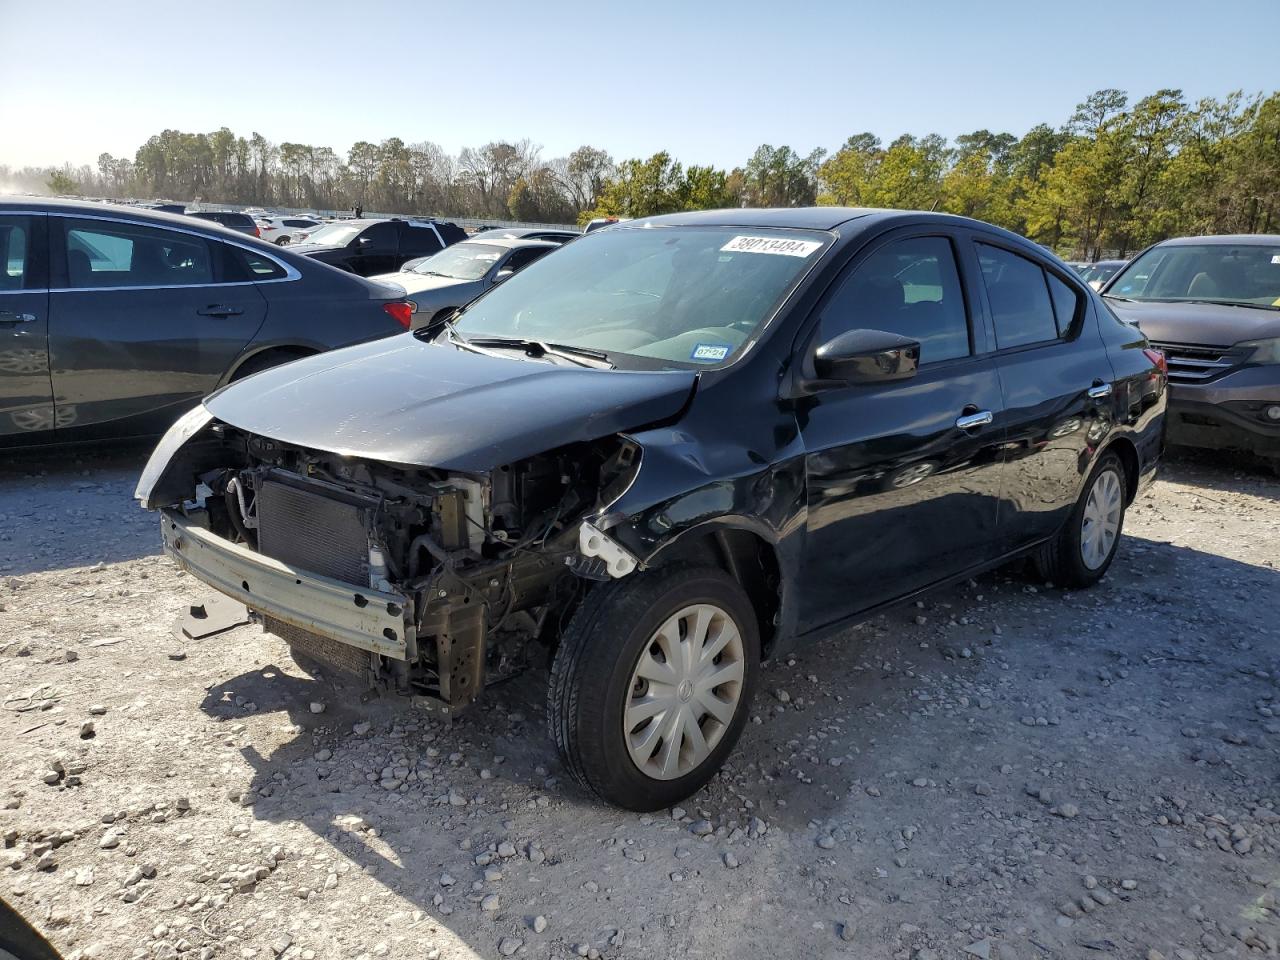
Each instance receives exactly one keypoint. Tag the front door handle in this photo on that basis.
(10, 316)
(971, 420)
(220, 310)
(1099, 390)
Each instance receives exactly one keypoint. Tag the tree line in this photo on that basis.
(1113, 178)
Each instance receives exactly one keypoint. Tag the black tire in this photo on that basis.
(1061, 560)
(592, 670)
(282, 242)
(265, 361)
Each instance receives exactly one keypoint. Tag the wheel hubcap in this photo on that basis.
(684, 691)
(1100, 524)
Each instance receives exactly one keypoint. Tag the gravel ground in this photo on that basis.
(1002, 770)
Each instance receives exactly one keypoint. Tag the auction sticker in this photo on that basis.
(779, 246)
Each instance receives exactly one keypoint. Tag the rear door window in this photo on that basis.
(381, 237)
(103, 254)
(15, 243)
(418, 240)
(1018, 294)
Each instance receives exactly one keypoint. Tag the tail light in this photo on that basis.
(1157, 357)
(257, 232)
(401, 311)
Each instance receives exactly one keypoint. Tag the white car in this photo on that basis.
(285, 230)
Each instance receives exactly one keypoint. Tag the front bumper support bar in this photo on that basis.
(369, 619)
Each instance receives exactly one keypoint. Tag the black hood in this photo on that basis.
(404, 401)
(1207, 324)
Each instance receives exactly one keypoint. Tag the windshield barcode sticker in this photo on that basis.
(775, 245)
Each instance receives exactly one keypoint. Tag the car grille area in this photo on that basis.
(1195, 363)
(319, 534)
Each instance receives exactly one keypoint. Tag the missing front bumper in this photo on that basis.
(358, 616)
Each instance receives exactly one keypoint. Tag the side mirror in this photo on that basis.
(502, 275)
(867, 356)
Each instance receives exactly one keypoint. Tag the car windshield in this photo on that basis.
(462, 261)
(334, 234)
(681, 296)
(1099, 272)
(1247, 274)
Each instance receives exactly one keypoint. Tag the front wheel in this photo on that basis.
(652, 682)
(1083, 550)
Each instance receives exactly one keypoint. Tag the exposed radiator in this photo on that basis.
(317, 533)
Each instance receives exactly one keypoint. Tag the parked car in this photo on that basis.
(508, 233)
(527, 233)
(663, 454)
(115, 321)
(1212, 304)
(283, 231)
(240, 222)
(369, 247)
(1099, 272)
(460, 273)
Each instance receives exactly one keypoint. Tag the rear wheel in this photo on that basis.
(1083, 550)
(652, 682)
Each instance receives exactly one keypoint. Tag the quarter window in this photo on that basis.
(909, 287)
(1018, 292)
(241, 265)
(1065, 303)
(109, 254)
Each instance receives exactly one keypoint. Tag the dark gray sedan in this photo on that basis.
(460, 273)
(114, 320)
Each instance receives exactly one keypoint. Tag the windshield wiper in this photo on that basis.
(1234, 303)
(582, 356)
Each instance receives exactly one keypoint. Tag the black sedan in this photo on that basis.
(664, 453)
(369, 247)
(114, 320)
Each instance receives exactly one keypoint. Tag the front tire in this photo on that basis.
(652, 682)
(1081, 553)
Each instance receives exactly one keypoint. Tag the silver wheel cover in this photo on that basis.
(1100, 524)
(684, 692)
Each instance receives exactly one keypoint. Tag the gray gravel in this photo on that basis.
(1002, 771)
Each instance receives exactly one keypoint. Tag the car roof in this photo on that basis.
(122, 211)
(511, 243)
(1230, 239)
(516, 232)
(810, 218)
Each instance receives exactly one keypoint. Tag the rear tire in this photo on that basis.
(1081, 553)
(620, 687)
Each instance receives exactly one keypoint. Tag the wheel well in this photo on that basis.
(745, 556)
(271, 357)
(1128, 454)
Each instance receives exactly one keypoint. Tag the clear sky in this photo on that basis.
(708, 81)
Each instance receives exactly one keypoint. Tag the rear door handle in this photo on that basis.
(220, 310)
(1099, 391)
(971, 420)
(10, 316)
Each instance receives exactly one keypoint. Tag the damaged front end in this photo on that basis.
(428, 582)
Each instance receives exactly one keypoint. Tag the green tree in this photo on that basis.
(61, 182)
